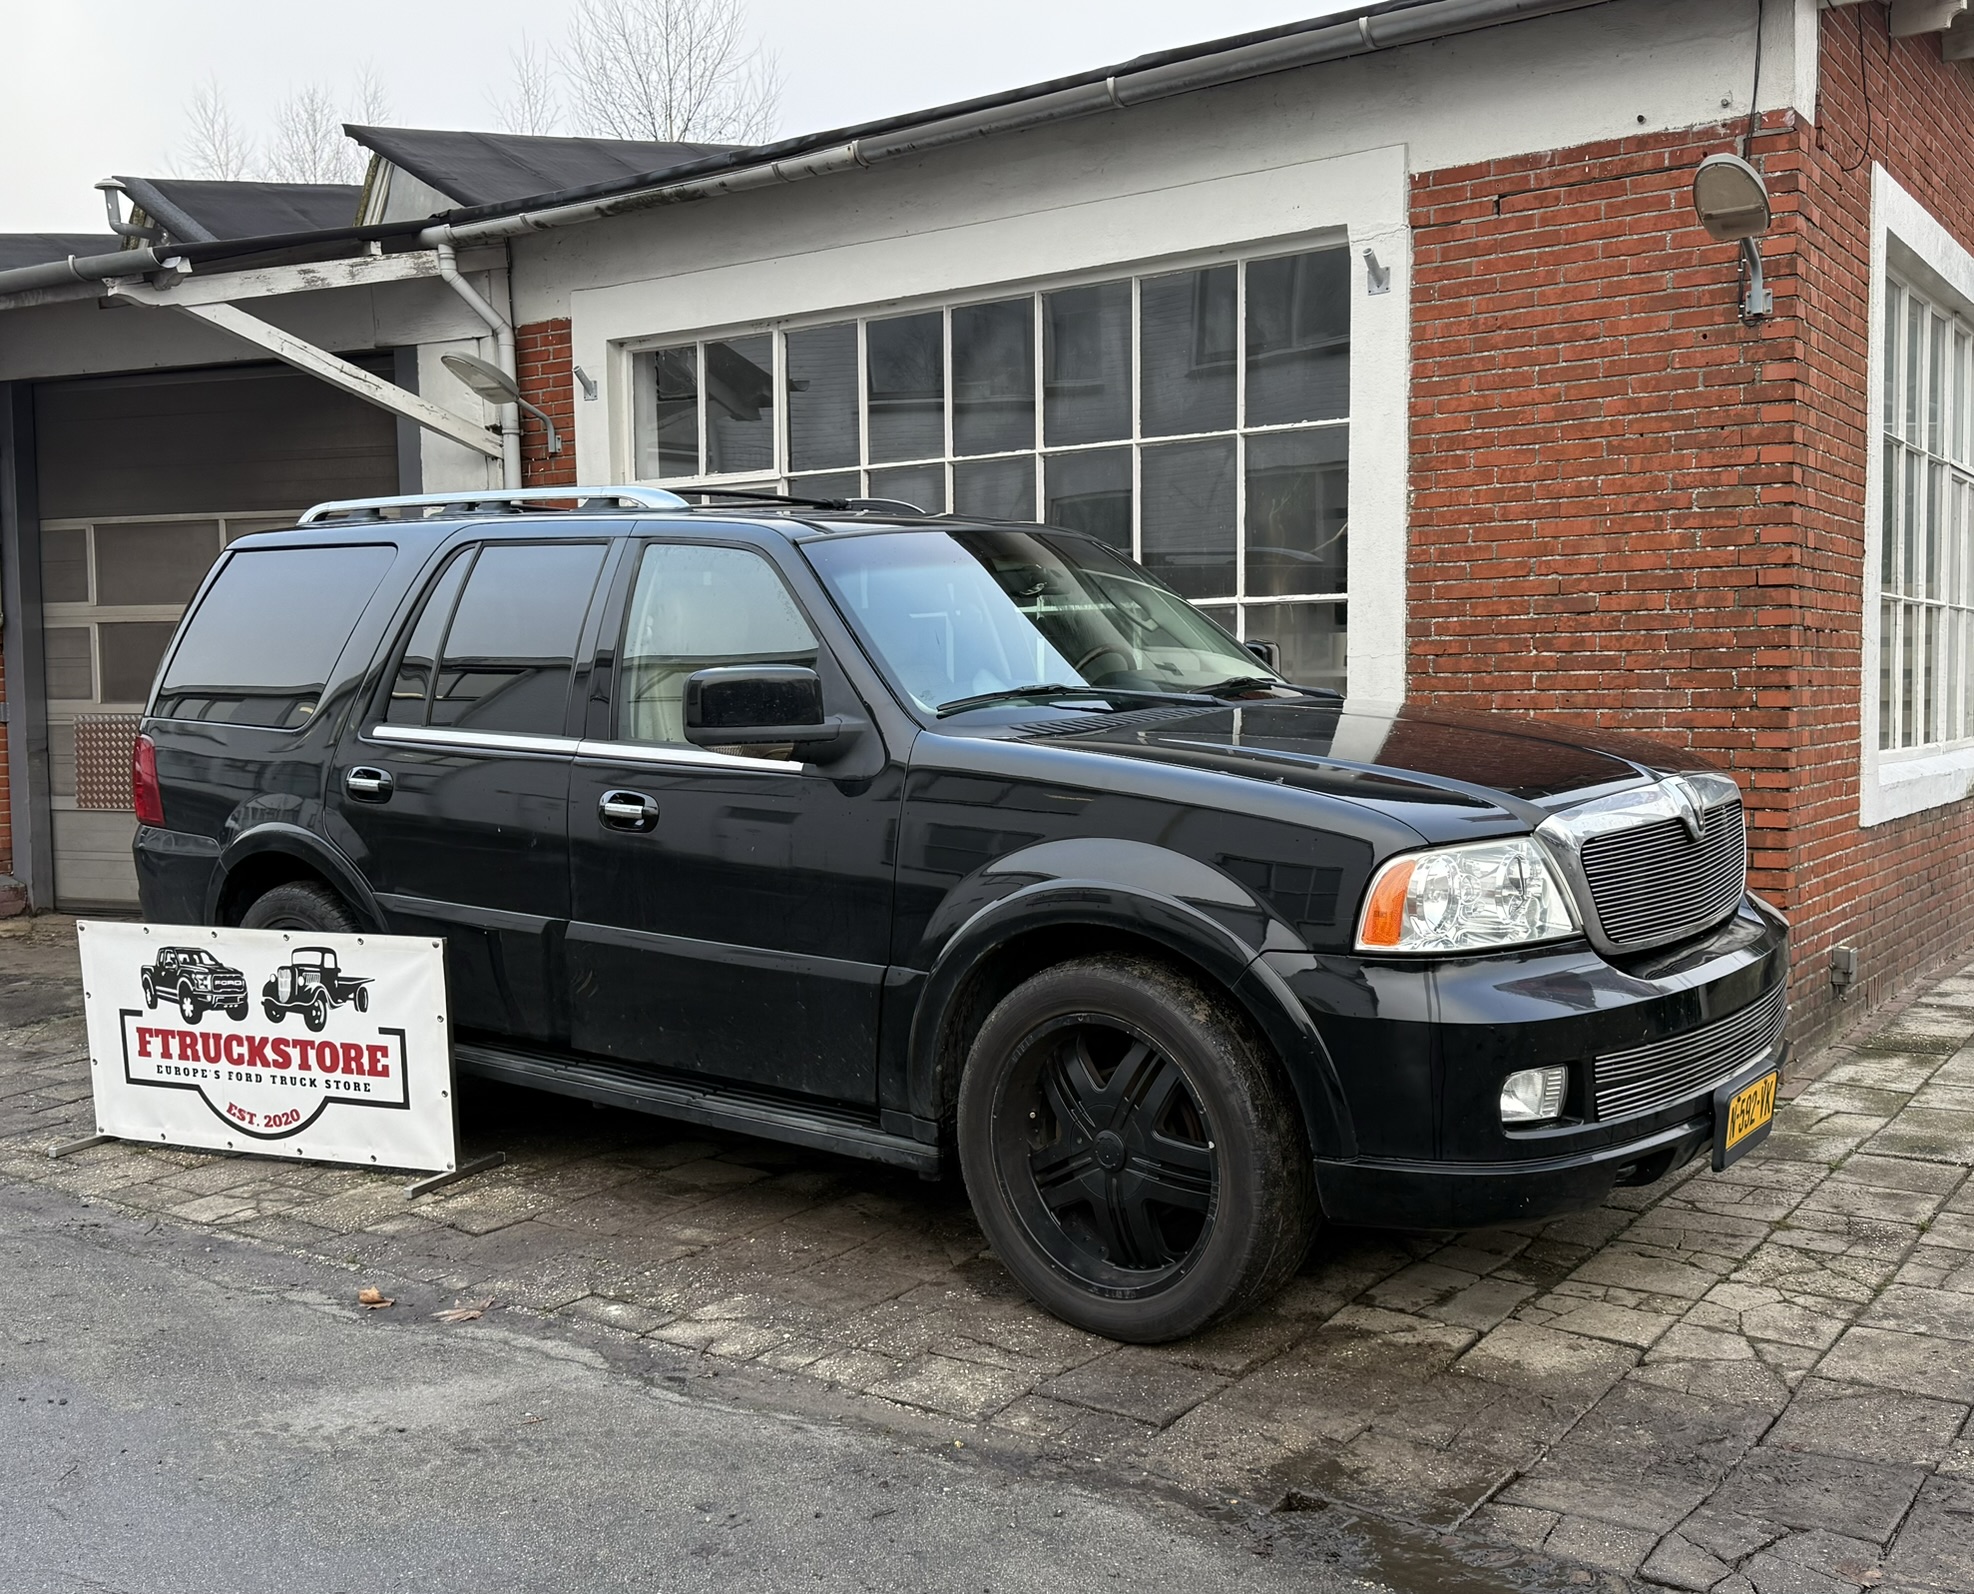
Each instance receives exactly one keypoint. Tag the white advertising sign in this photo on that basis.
(283, 1042)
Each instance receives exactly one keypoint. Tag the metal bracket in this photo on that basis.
(69, 1147)
(1377, 278)
(465, 1170)
(1757, 302)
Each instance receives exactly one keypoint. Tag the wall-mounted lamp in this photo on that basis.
(1731, 201)
(497, 387)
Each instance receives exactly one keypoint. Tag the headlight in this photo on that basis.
(1465, 899)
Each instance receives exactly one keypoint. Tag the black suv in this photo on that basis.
(905, 837)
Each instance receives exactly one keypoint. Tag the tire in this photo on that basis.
(274, 1011)
(363, 998)
(300, 906)
(237, 1013)
(316, 1014)
(1165, 1080)
(188, 1005)
(150, 990)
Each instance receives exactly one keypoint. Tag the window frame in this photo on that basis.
(1912, 253)
(1241, 611)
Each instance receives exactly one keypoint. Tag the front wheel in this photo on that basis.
(273, 1010)
(237, 1013)
(188, 1005)
(316, 1014)
(1131, 1150)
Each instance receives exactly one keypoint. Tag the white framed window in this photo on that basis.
(1195, 415)
(1918, 687)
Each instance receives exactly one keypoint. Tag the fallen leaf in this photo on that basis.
(463, 1314)
(373, 1297)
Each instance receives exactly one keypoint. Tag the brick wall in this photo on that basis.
(547, 373)
(1633, 511)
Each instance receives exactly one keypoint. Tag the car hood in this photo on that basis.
(1392, 755)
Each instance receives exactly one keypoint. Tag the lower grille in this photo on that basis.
(1643, 1079)
(1655, 883)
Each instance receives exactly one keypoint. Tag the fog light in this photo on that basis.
(1534, 1095)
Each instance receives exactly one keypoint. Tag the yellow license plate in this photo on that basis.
(1751, 1108)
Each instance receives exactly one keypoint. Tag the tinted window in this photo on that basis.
(695, 608)
(411, 683)
(259, 648)
(512, 643)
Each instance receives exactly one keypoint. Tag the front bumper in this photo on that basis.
(1420, 1050)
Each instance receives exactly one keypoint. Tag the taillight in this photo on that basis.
(146, 801)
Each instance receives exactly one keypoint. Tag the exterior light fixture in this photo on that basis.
(497, 387)
(1731, 201)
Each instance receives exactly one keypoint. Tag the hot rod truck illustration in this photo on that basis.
(197, 981)
(310, 983)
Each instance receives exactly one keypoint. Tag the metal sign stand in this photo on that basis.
(68, 1147)
(465, 1170)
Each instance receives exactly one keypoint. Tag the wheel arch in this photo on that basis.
(1049, 923)
(271, 855)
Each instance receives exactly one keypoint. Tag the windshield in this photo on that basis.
(957, 615)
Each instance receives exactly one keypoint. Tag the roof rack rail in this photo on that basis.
(746, 495)
(490, 501)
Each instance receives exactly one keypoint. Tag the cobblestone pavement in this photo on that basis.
(1758, 1383)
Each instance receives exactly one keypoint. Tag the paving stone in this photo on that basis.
(965, 1390)
(1728, 1535)
(1755, 1383)
(1654, 1275)
(624, 1315)
(1814, 1563)
(1678, 1562)
(1836, 1419)
(1927, 1135)
(1414, 1288)
(1600, 1544)
(1935, 1548)
(1908, 1362)
(1565, 1366)
(1398, 1476)
(1481, 1305)
(1942, 1314)
(1837, 1494)
(1642, 1458)
(1135, 1382)
(1621, 1325)
(1513, 1524)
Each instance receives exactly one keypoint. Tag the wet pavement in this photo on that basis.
(1757, 1382)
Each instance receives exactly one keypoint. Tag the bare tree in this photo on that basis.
(530, 105)
(308, 144)
(370, 101)
(669, 70)
(213, 145)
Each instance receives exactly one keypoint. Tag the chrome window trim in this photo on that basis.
(664, 755)
(473, 741)
(440, 738)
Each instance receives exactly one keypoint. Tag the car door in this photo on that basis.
(454, 791)
(730, 915)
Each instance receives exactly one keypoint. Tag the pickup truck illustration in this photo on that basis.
(310, 983)
(197, 981)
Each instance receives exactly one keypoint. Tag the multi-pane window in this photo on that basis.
(1197, 419)
(1926, 533)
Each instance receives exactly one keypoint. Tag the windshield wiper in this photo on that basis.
(1018, 694)
(1250, 683)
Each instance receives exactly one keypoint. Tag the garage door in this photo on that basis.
(143, 480)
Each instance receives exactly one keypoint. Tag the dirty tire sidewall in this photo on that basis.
(1265, 1207)
(301, 905)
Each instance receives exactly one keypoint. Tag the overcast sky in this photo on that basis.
(100, 87)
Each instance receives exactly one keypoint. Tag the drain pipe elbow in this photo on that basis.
(504, 355)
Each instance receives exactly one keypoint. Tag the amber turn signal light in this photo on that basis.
(1384, 914)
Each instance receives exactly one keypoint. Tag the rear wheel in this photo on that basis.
(1131, 1151)
(300, 905)
(150, 990)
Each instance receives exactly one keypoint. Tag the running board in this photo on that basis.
(822, 1127)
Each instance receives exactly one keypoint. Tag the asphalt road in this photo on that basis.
(184, 1413)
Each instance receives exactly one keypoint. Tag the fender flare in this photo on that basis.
(1192, 936)
(293, 841)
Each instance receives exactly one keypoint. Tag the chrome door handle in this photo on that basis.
(368, 785)
(628, 810)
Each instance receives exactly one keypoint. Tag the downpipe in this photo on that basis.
(504, 357)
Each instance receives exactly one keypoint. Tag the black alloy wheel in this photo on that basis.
(1132, 1151)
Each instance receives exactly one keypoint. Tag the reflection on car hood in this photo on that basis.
(1371, 749)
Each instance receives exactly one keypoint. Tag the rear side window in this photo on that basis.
(259, 648)
(510, 615)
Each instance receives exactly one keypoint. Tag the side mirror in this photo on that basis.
(1270, 654)
(756, 705)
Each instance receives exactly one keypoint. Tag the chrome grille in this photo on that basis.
(1645, 1078)
(1653, 883)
